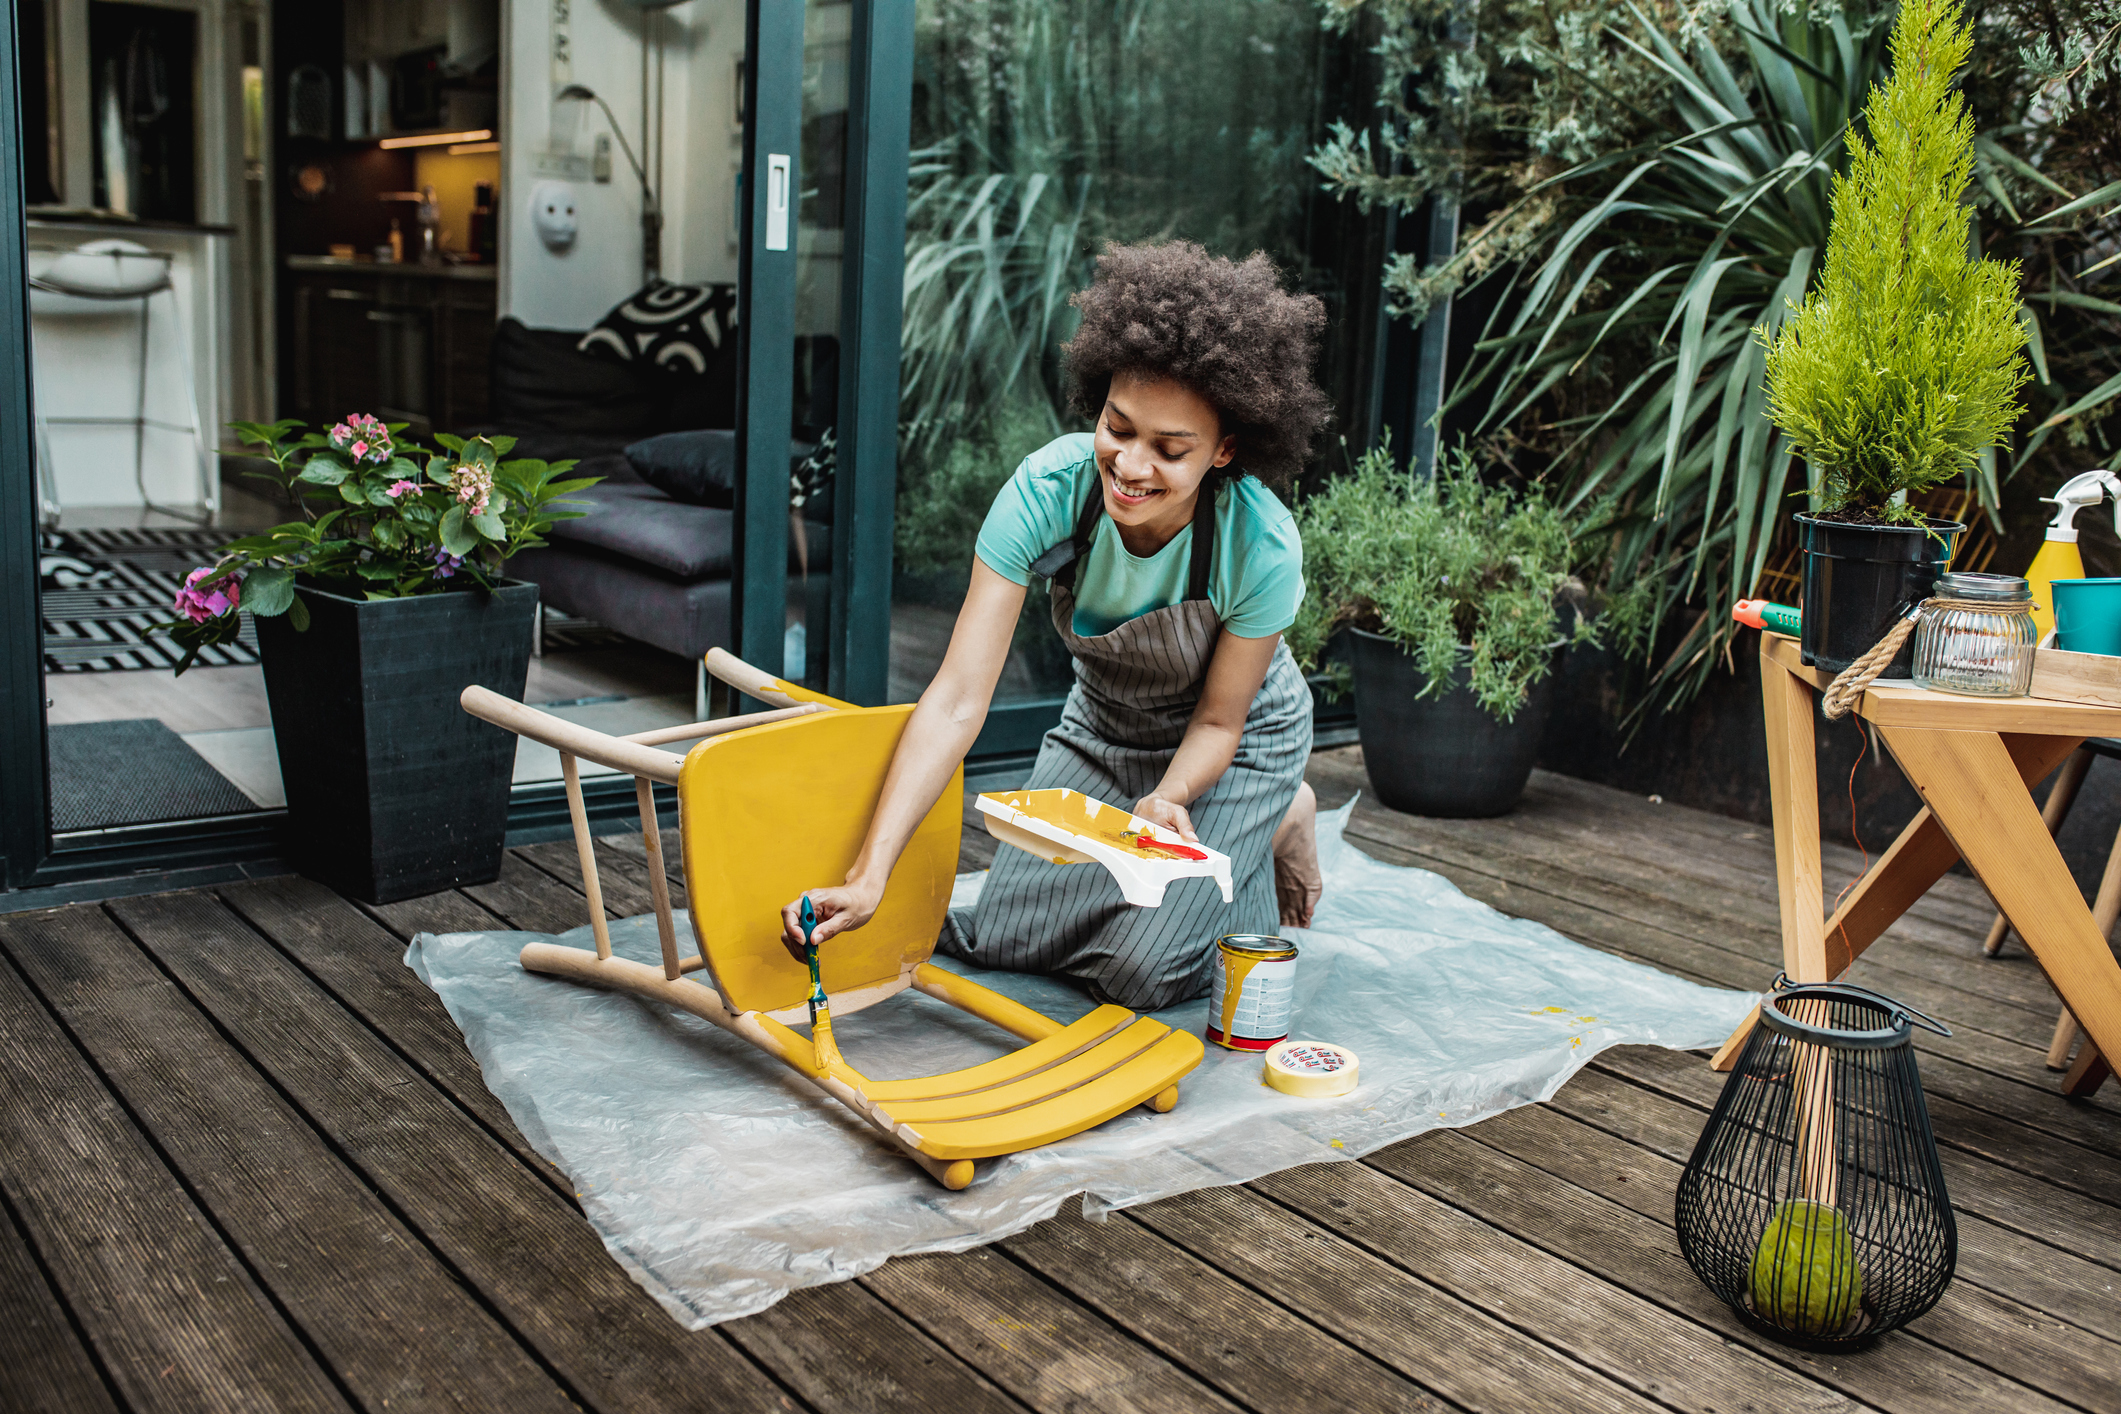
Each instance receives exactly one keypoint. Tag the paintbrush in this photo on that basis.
(827, 1054)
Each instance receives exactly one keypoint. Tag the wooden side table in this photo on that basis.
(1974, 761)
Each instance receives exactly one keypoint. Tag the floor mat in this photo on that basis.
(721, 1181)
(133, 772)
(102, 590)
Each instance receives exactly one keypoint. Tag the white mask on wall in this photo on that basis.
(552, 212)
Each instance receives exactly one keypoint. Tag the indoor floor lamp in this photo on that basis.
(651, 209)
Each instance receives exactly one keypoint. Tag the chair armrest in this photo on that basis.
(561, 735)
(759, 684)
(696, 730)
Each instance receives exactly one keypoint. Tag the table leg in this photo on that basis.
(2059, 799)
(1793, 787)
(1921, 856)
(1976, 792)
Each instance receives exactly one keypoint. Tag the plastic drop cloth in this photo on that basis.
(722, 1181)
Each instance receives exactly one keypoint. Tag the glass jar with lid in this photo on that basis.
(1980, 642)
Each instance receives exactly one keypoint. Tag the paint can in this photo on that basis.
(1254, 991)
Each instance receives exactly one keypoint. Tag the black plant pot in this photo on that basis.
(393, 790)
(1857, 579)
(1443, 754)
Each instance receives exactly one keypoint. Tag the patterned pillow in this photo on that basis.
(675, 328)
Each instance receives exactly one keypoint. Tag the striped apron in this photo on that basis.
(1135, 691)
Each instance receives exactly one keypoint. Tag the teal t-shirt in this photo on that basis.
(1255, 577)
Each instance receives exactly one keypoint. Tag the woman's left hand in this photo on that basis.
(1169, 814)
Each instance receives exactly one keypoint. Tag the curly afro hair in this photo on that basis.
(1225, 329)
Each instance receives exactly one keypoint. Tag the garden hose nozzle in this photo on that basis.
(1766, 614)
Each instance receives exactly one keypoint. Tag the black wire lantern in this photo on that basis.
(1814, 1203)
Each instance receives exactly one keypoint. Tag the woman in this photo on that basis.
(1173, 570)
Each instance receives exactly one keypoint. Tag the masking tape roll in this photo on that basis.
(1312, 1068)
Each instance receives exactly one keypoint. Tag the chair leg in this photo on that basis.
(2065, 1037)
(2059, 799)
(592, 889)
(658, 883)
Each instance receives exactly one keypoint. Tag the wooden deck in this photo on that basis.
(247, 1164)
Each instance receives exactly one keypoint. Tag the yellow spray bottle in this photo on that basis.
(2058, 557)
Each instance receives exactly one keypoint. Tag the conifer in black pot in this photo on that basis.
(1902, 367)
(375, 611)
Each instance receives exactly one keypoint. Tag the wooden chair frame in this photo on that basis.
(1066, 1079)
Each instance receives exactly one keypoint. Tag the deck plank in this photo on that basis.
(1984, 1071)
(1207, 1322)
(1665, 1356)
(1426, 1333)
(362, 965)
(530, 899)
(2003, 1140)
(2007, 1223)
(44, 1367)
(842, 1349)
(511, 1237)
(1045, 1349)
(2032, 1346)
(171, 1311)
(365, 1291)
(1898, 1374)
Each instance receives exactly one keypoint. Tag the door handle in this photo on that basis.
(777, 172)
(391, 316)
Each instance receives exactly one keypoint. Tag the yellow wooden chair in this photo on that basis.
(771, 803)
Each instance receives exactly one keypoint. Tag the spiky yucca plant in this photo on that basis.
(1904, 364)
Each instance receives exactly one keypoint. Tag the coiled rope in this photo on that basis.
(1845, 691)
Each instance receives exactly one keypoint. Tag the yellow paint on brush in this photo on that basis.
(1083, 815)
(1236, 966)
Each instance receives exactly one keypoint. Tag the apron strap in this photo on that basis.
(1203, 540)
(1058, 562)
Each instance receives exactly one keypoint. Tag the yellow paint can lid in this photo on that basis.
(1312, 1068)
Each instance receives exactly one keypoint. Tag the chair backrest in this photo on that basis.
(770, 811)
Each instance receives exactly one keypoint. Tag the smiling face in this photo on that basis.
(1157, 440)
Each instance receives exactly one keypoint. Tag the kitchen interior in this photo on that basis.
(258, 211)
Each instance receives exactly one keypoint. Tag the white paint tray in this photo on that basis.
(1069, 827)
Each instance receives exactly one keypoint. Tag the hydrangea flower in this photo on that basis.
(446, 563)
(209, 601)
(364, 438)
(473, 484)
(400, 488)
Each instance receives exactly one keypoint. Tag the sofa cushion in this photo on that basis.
(641, 523)
(542, 383)
(669, 327)
(697, 468)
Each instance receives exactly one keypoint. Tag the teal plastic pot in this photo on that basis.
(2088, 616)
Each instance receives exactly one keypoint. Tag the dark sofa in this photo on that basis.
(640, 561)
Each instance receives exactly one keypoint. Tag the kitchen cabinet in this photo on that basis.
(410, 343)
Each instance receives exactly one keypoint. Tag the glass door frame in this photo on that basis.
(879, 123)
(25, 789)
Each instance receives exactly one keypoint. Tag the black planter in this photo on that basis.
(393, 790)
(1857, 579)
(1444, 754)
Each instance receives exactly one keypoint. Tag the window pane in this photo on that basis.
(1041, 131)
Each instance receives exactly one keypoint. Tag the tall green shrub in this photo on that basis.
(1904, 364)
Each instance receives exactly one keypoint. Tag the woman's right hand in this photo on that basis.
(839, 908)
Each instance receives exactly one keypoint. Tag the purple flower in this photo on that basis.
(210, 601)
(400, 488)
(446, 563)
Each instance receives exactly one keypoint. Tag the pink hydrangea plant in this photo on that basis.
(364, 438)
(473, 484)
(402, 488)
(200, 602)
